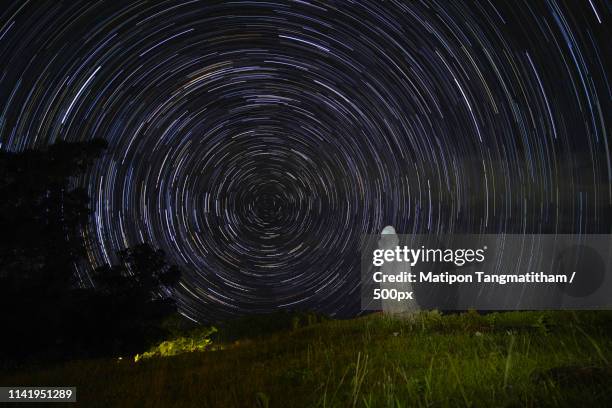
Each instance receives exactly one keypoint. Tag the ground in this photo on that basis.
(469, 359)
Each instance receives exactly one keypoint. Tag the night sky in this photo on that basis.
(257, 142)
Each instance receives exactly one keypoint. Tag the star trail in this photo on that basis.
(257, 142)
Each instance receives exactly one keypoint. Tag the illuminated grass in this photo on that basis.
(199, 340)
(500, 359)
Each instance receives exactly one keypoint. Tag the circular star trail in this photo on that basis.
(257, 142)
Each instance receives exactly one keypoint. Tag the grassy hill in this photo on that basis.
(497, 359)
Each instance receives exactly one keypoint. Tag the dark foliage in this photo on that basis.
(44, 315)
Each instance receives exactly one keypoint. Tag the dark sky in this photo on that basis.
(257, 142)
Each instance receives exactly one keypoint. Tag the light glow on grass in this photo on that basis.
(198, 340)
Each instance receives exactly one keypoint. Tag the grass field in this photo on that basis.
(498, 359)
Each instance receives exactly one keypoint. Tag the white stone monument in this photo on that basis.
(406, 307)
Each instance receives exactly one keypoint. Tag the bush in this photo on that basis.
(197, 340)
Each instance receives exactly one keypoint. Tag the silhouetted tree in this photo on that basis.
(42, 312)
(41, 213)
(135, 296)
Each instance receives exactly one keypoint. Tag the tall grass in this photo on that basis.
(430, 360)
